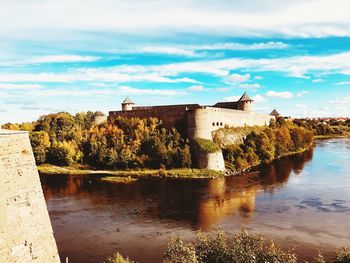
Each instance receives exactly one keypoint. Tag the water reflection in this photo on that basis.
(199, 203)
(117, 214)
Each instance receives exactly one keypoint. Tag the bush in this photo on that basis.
(206, 146)
(342, 256)
(179, 251)
(217, 247)
(117, 258)
(242, 247)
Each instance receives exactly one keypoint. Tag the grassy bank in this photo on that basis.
(47, 169)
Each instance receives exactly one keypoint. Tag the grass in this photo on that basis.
(119, 175)
(206, 146)
(118, 179)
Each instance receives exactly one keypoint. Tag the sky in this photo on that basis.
(80, 55)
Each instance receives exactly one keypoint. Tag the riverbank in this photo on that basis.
(131, 175)
(331, 136)
(47, 169)
(256, 166)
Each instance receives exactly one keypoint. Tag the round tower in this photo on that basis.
(275, 113)
(127, 104)
(245, 103)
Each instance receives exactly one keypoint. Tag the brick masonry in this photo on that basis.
(25, 229)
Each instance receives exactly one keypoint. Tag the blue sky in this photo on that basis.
(89, 55)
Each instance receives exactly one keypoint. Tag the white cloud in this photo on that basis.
(343, 83)
(199, 50)
(279, 95)
(19, 86)
(96, 75)
(238, 78)
(258, 98)
(60, 59)
(258, 77)
(223, 89)
(240, 46)
(340, 101)
(134, 91)
(300, 106)
(302, 93)
(292, 18)
(249, 86)
(197, 88)
(297, 66)
(232, 98)
(52, 59)
(317, 80)
(118, 90)
(169, 51)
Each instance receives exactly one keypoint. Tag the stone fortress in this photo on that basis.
(196, 121)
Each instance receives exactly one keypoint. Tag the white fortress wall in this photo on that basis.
(211, 161)
(25, 229)
(203, 121)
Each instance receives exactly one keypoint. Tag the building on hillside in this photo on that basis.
(196, 121)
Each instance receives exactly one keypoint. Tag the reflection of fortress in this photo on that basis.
(197, 121)
(204, 205)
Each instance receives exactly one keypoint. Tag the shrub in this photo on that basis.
(179, 251)
(217, 247)
(117, 258)
(342, 256)
(206, 146)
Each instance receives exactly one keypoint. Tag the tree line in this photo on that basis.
(325, 128)
(128, 143)
(264, 144)
(120, 143)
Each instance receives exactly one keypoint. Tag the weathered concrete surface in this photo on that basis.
(25, 229)
(203, 121)
(212, 161)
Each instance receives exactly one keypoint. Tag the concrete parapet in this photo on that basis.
(25, 229)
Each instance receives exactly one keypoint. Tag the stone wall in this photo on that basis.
(211, 161)
(203, 121)
(25, 229)
(171, 116)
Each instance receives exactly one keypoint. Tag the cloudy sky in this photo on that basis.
(79, 55)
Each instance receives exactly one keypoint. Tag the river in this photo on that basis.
(301, 201)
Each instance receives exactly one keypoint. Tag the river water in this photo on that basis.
(301, 201)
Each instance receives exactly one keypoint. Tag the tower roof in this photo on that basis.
(128, 101)
(274, 112)
(245, 97)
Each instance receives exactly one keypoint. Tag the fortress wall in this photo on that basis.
(203, 121)
(100, 119)
(25, 229)
(211, 161)
(171, 116)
